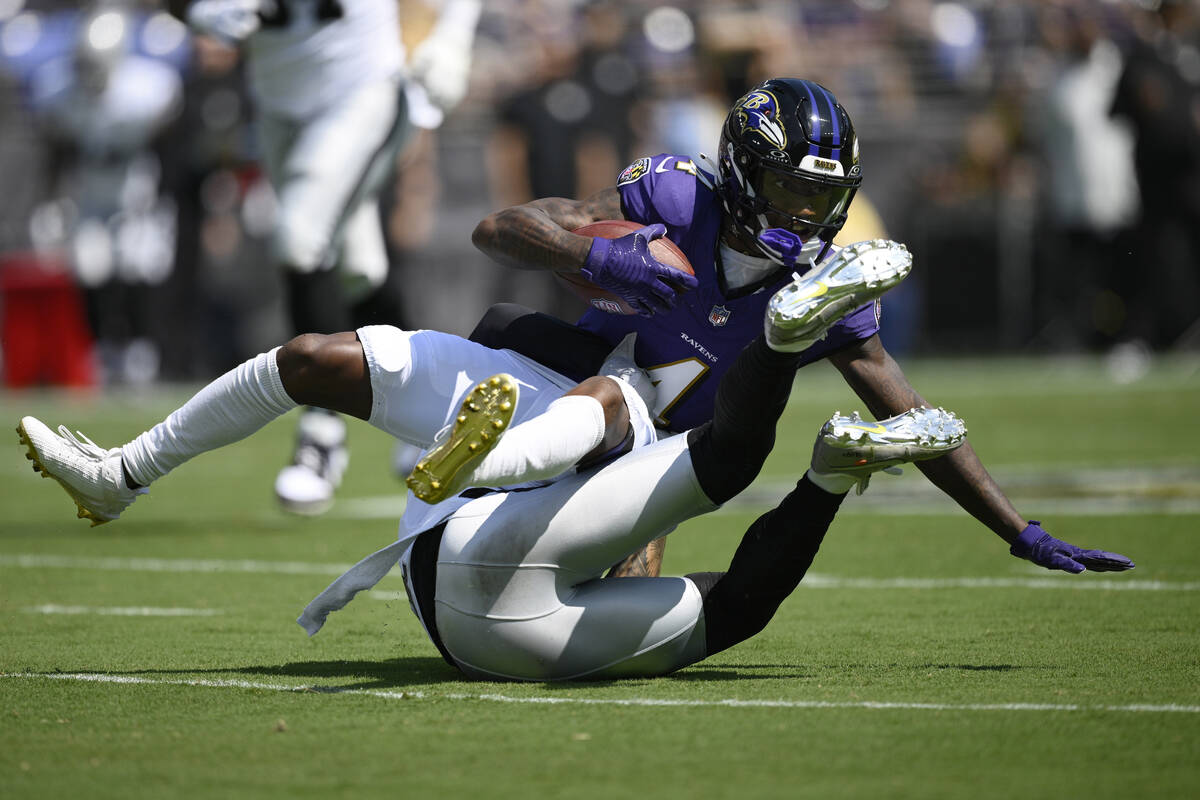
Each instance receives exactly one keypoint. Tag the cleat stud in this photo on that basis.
(473, 406)
(462, 418)
(497, 424)
(483, 437)
(495, 381)
(507, 388)
(505, 406)
(473, 446)
(435, 484)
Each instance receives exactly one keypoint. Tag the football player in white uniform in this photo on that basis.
(335, 106)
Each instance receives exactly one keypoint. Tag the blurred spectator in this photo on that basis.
(1159, 93)
(1092, 193)
(103, 85)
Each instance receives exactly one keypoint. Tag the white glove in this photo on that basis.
(442, 65)
(228, 20)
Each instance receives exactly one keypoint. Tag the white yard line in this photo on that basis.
(1143, 708)
(1068, 489)
(42, 561)
(815, 580)
(891, 503)
(122, 611)
(812, 580)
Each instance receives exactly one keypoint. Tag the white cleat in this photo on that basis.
(850, 445)
(800, 313)
(307, 485)
(90, 474)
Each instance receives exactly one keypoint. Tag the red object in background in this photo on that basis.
(43, 325)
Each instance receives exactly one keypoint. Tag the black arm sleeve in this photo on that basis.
(562, 347)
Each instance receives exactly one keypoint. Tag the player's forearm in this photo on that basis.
(962, 476)
(529, 237)
(537, 235)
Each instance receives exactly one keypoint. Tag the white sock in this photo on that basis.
(228, 410)
(545, 446)
(832, 482)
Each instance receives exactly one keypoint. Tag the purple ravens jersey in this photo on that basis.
(687, 350)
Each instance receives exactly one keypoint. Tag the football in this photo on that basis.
(663, 249)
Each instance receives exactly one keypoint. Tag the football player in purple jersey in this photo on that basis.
(786, 173)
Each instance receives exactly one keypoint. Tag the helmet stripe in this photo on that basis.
(833, 115)
(826, 106)
(813, 149)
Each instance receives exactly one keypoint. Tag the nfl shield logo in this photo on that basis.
(718, 316)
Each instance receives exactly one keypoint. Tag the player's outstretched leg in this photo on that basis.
(104, 482)
(800, 313)
(850, 449)
(90, 474)
(779, 547)
(483, 418)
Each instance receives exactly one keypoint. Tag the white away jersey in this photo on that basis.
(314, 58)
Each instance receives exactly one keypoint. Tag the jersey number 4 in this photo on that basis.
(673, 382)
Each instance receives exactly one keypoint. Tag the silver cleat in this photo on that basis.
(800, 313)
(850, 445)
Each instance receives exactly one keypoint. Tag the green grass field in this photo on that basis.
(157, 656)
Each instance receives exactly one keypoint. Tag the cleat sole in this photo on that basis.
(800, 313)
(850, 446)
(486, 412)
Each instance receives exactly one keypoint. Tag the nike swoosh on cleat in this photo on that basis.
(819, 288)
(868, 428)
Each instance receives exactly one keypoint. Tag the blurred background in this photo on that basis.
(1040, 157)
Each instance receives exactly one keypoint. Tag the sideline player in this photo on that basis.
(334, 109)
(786, 173)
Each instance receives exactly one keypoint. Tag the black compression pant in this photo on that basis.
(773, 556)
(727, 454)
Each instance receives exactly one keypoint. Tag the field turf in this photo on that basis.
(157, 656)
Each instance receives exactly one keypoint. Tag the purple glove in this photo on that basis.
(625, 267)
(1044, 550)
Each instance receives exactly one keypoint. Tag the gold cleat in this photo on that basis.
(486, 413)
